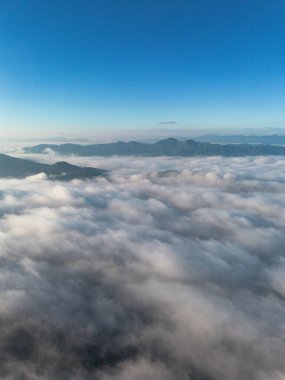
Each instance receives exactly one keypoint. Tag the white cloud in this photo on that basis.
(171, 268)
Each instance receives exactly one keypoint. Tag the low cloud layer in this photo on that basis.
(169, 269)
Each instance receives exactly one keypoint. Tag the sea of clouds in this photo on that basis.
(170, 268)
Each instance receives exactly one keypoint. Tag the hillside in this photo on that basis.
(18, 168)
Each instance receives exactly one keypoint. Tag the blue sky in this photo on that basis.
(132, 64)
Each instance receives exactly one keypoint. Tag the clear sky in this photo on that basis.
(70, 65)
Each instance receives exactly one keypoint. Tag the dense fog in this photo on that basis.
(167, 269)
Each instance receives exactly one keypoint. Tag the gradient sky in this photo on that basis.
(114, 64)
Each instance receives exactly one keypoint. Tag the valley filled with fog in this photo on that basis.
(168, 268)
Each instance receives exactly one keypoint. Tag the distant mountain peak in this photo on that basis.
(166, 147)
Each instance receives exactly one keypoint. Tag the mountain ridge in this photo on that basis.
(272, 139)
(165, 147)
(13, 167)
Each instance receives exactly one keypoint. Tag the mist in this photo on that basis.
(169, 268)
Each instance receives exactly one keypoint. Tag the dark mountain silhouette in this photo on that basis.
(19, 168)
(167, 147)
